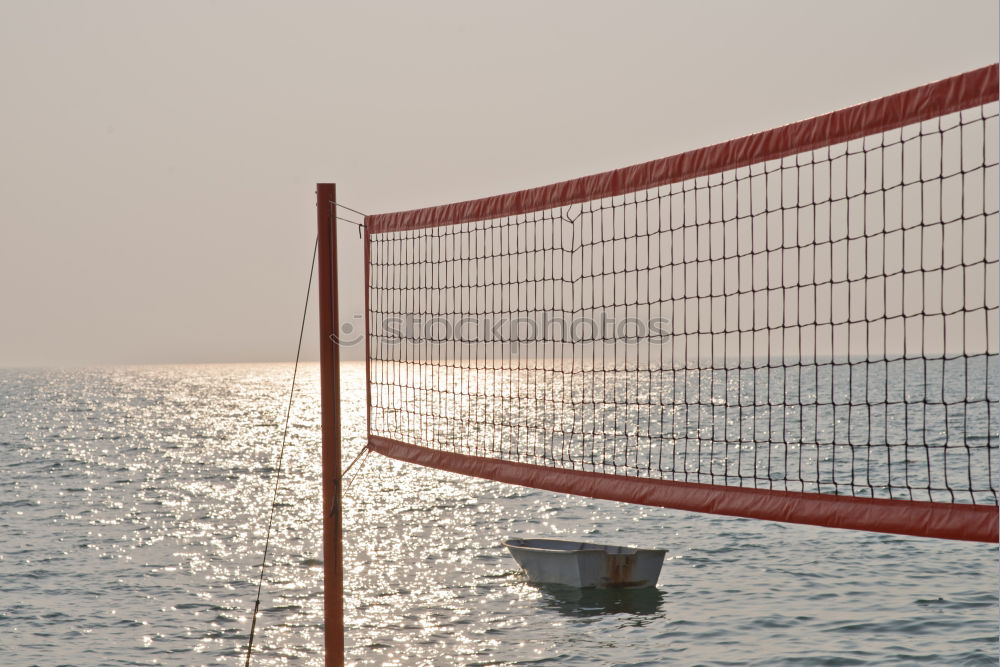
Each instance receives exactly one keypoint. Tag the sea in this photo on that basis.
(134, 507)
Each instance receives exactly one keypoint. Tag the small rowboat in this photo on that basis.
(585, 565)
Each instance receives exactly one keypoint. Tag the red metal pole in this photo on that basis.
(329, 360)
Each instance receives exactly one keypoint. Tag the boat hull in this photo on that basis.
(586, 565)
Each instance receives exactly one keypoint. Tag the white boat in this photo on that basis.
(585, 565)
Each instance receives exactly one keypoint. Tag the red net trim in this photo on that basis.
(912, 106)
(977, 523)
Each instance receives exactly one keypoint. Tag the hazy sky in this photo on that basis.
(158, 160)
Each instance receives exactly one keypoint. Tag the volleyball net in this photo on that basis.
(798, 325)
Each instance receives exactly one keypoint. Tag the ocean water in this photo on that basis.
(133, 509)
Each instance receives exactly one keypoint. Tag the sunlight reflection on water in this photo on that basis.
(134, 501)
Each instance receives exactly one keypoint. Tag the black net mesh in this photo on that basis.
(825, 322)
